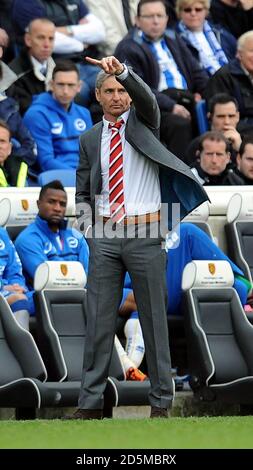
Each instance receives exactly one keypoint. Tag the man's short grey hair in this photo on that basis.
(243, 38)
(101, 77)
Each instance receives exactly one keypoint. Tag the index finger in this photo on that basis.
(93, 61)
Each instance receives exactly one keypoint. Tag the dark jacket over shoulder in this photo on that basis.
(232, 79)
(227, 178)
(136, 53)
(27, 84)
(234, 19)
(178, 185)
(25, 148)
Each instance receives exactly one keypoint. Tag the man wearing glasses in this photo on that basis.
(164, 62)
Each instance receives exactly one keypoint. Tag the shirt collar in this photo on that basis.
(124, 117)
(149, 40)
(38, 65)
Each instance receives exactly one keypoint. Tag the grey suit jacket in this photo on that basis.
(178, 184)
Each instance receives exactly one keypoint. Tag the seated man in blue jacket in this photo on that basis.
(49, 239)
(56, 122)
(12, 282)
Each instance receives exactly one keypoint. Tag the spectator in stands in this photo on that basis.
(56, 122)
(214, 157)
(236, 78)
(161, 58)
(77, 33)
(234, 15)
(49, 239)
(245, 160)
(12, 282)
(23, 144)
(212, 46)
(117, 17)
(223, 116)
(13, 171)
(34, 64)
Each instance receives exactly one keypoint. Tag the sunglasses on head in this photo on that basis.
(190, 9)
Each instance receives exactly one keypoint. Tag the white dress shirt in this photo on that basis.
(140, 176)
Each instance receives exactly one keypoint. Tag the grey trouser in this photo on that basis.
(145, 261)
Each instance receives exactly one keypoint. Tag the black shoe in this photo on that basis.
(85, 414)
(157, 412)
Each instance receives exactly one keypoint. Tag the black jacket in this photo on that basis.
(27, 84)
(24, 145)
(232, 79)
(227, 178)
(236, 20)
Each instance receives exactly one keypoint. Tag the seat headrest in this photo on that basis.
(60, 275)
(23, 204)
(22, 211)
(208, 274)
(201, 213)
(240, 207)
(5, 209)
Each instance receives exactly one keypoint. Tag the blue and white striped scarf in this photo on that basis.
(170, 78)
(213, 43)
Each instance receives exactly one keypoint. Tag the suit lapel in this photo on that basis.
(95, 156)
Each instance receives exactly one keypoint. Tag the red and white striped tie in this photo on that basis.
(116, 190)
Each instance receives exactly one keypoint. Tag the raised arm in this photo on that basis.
(143, 99)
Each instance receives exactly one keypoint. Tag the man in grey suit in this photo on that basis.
(128, 238)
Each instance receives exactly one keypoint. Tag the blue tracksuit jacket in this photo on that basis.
(11, 268)
(56, 131)
(37, 244)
